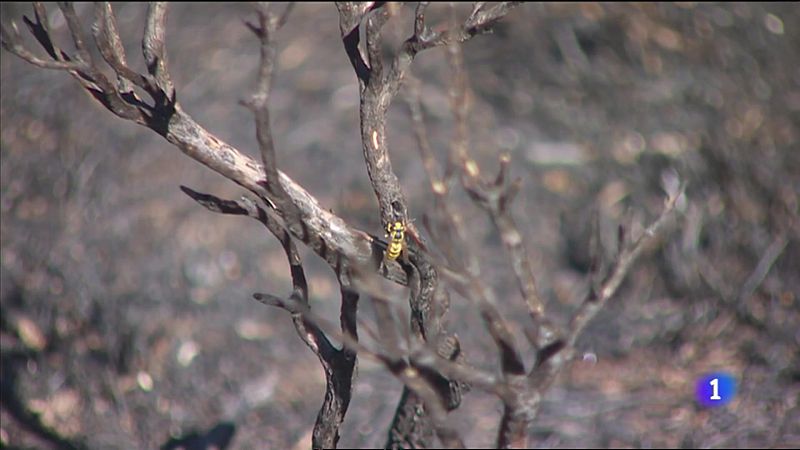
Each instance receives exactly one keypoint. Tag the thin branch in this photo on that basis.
(351, 15)
(339, 365)
(76, 31)
(325, 233)
(106, 37)
(620, 269)
(479, 22)
(470, 284)
(375, 22)
(284, 17)
(267, 25)
(552, 359)
(458, 92)
(154, 48)
(771, 254)
(11, 42)
(738, 301)
(496, 198)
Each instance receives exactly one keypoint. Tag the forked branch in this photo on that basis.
(325, 233)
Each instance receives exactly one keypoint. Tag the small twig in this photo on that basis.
(375, 22)
(110, 45)
(771, 254)
(11, 42)
(552, 359)
(76, 31)
(496, 198)
(154, 48)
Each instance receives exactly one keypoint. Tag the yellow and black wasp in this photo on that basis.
(397, 238)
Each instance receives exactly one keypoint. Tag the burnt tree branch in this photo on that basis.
(325, 233)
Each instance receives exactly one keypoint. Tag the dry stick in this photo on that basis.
(496, 198)
(474, 288)
(738, 302)
(340, 364)
(551, 360)
(166, 118)
(11, 42)
(41, 31)
(375, 101)
(331, 238)
(154, 47)
(483, 297)
(439, 189)
(92, 75)
(310, 333)
(75, 31)
(258, 104)
(761, 270)
(107, 39)
(468, 283)
(379, 86)
(327, 235)
(479, 22)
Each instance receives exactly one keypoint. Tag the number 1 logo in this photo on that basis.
(715, 389)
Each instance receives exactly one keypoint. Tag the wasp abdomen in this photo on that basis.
(397, 237)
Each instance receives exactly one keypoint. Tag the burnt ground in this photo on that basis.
(127, 317)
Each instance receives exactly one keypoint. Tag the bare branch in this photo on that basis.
(771, 254)
(468, 284)
(438, 188)
(154, 47)
(495, 198)
(620, 269)
(479, 22)
(351, 15)
(339, 365)
(328, 235)
(267, 25)
(738, 301)
(10, 42)
(552, 359)
(375, 23)
(281, 20)
(410, 376)
(110, 45)
(76, 31)
(458, 156)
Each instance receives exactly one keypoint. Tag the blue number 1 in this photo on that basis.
(715, 384)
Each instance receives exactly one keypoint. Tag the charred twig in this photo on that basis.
(551, 360)
(737, 300)
(338, 364)
(495, 198)
(268, 24)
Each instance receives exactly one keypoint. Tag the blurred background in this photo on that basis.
(127, 316)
